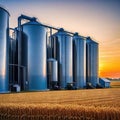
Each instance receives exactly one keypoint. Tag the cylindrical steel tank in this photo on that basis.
(79, 61)
(91, 62)
(4, 50)
(35, 55)
(52, 73)
(62, 52)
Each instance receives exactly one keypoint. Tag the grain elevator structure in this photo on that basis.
(39, 57)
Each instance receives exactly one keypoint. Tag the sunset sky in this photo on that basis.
(99, 19)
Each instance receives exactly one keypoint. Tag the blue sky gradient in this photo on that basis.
(99, 19)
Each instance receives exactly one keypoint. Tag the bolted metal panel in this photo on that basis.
(35, 36)
(52, 72)
(4, 50)
(62, 52)
(79, 61)
(91, 62)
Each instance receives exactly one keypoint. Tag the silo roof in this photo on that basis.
(105, 80)
(1, 7)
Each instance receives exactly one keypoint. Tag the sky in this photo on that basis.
(99, 19)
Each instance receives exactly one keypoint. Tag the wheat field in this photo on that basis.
(115, 84)
(97, 104)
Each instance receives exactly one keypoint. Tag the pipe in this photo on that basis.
(12, 29)
(17, 65)
(34, 19)
(59, 28)
(24, 17)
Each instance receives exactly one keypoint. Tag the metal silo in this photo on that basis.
(91, 62)
(35, 54)
(52, 73)
(79, 61)
(62, 52)
(4, 49)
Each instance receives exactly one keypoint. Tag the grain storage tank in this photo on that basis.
(79, 61)
(35, 54)
(52, 73)
(4, 49)
(62, 52)
(91, 62)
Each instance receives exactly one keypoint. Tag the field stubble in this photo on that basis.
(115, 84)
(99, 104)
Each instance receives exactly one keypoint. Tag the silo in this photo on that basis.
(34, 54)
(79, 61)
(62, 52)
(4, 49)
(52, 73)
(91, 62)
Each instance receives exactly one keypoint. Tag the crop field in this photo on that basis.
(115, 84)
(97, 104)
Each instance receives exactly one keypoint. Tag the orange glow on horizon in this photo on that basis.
(109, 68)
(98, 19)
